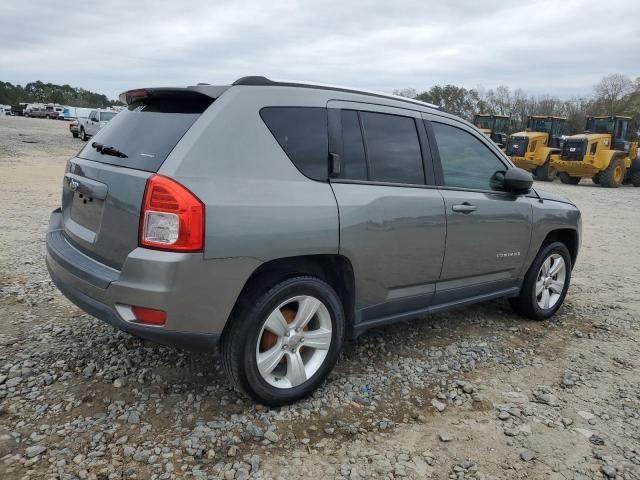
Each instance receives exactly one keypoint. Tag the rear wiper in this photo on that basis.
(107, 150)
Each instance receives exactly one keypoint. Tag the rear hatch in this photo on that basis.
(104, 185)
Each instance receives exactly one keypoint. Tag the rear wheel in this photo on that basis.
(75, 134)
(545, 284)
(568, 179)
(280, 348)
(546, 172)
(613, 175)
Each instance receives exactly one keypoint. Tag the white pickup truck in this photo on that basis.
(88, 127)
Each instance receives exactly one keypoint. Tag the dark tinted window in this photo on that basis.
(147, 131)
(466, 161)
(354, 162)
(302, 134)
(393, 148)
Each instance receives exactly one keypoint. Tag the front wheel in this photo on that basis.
(613, 175)
(545, 284)
(83, 135)
(546, 172)
(568, 179)
(280, 348)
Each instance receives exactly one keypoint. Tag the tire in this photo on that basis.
(246, 337)
(614, 174)
(83, 135)
(596, 179)
(634, 174)
(530, 303)
(568, 179)
(74, 134)
(546, 172)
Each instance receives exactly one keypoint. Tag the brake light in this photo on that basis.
(172, 218)
(149, 316)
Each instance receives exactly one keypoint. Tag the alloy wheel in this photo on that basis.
(294, 341)
(550, 281)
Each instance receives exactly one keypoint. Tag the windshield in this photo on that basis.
(484, 122)
(502, 125)
(106, 116)
(539, 125)
(600, 125)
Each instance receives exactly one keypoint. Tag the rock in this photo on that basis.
(13, 382)
(511, 430)
(133, 417)
(438, 405)
(584, 432)
(233, 450)
(586, 415)
(527, 455)
(445, 437)
(547, 399)
(597, 439)
(503, 415)
(35, 450)
(271, 436)
(567, 421)
(609, 471)
(517, 397)
(119, 382)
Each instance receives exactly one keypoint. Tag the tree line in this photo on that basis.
(614, 95)
(40, 92)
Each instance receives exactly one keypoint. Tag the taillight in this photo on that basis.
(172, 217)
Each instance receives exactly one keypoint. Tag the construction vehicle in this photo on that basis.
(496, 127)
(532, 149)
(602, 152)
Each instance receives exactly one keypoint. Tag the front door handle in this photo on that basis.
(465, 207)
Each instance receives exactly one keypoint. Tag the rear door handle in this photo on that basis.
(465, 207)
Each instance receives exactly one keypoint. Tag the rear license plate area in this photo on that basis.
(86, 210)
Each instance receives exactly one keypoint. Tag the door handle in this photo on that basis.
(465, 207)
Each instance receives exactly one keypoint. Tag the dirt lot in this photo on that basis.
(475, 393)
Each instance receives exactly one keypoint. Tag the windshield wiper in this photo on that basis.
(107, 150)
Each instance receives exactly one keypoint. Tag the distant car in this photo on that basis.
(88, 127)
(73, 128)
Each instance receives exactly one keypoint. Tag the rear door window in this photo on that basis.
(147, 130)
(302, 134)
(354, 161)
(393, 148)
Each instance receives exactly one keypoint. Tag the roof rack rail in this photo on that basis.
(259, 80)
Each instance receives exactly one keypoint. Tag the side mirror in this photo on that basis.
(518, 181)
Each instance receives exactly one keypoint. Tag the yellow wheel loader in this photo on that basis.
(532, 149)
(602, 152)
(496, 127)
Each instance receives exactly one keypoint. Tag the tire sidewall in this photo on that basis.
(257, 386)
(532, 276)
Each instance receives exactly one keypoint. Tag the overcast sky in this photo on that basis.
(557, 47)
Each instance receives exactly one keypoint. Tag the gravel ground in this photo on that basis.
(476, 393)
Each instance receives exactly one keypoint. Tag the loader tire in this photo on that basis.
(546, 172)
(596, 179)
(568, 179)
(613, 175)
(634, 174)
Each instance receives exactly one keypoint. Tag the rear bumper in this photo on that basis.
(197, 295)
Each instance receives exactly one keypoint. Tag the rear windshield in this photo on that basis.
(146, 131)
(106, 116)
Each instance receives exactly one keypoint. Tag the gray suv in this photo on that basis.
(277, 220)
